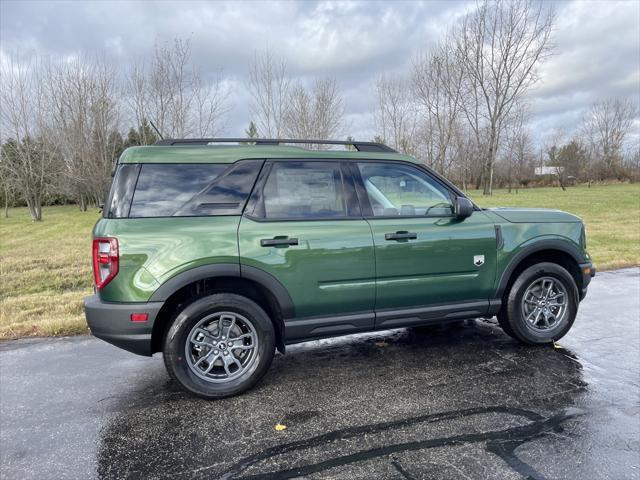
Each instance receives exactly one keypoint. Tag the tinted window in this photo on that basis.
(184, 190)
(402, 190)
(304, 190)
(227, 194)
(122, 188)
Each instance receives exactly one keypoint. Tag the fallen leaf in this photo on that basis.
(279, 427)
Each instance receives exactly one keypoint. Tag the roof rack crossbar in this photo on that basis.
(359, 146)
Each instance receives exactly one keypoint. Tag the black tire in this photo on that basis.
(511, 317)
(175, 351)
(503, 319)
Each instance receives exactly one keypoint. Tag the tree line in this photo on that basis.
(461, 108)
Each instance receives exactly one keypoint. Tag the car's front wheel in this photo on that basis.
(219, 345)
(541, 305)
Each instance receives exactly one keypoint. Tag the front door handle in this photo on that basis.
(278, 242)
(399, 236)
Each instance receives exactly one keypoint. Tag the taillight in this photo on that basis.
(105, 260)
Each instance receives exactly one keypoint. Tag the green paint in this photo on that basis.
(330, 271)
(339, 266)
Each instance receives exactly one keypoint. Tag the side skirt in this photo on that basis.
(300, 330)
(311, 328)
(394, 318)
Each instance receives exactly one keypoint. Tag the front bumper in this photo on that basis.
(588, 272)
(112, 323)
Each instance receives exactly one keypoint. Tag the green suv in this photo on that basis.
(217, 254)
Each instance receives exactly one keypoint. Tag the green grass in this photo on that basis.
(45, 268)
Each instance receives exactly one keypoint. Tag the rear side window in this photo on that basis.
(185, 190)
(227, 194)
(304, 190)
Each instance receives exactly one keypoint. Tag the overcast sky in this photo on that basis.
(597, 45)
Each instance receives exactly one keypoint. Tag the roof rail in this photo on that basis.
(359, 146)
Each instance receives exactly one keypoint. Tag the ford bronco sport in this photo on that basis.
(216, 255)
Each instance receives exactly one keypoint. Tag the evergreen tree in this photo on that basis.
(142, 135)
(250, 132)
(350, 140)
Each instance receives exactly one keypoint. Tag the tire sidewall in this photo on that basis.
(176, 338)
(516, 320)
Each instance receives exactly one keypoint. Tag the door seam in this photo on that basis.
(375, 275)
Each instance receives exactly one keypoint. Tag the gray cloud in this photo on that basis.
(598, 44)
(597, 56)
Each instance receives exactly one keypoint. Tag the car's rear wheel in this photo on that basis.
(541, 305)
(219, 345)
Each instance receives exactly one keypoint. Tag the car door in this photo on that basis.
(429, 264)
(303, 226)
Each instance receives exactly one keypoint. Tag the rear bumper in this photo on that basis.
(112, 323)
(588, 272)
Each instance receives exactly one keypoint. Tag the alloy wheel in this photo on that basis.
(222, 347)
(544, 304)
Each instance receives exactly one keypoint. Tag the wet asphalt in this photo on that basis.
(462, 401)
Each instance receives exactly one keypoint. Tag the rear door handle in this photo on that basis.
(401, 236)
(278, 242)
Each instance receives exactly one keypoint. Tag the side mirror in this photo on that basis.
(464, 208)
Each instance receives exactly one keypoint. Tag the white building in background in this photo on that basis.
(539, 171)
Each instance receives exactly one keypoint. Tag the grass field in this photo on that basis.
(45, 268)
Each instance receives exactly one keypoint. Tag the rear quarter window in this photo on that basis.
(122, 188)
(184, 190)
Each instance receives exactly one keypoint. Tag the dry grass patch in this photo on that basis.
(45, 270)
(43, 314)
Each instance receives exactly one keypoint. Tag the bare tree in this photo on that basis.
(172, 94)
(86, 113)
(519, 150)
(631, 160)
(212, 107)
(29, 156)
(396, 113)
(135, 92)
(8, 186)
(605, 128)
(329, 107)
(552, 148)
(500, 45)
(436, 81)
(315, 114)
(464, 164)
(299, 119)
(269, 87)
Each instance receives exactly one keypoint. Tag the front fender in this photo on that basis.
(509, 259)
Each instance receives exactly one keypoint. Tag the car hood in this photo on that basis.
(535, 215)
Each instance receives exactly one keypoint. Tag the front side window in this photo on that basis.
(304, 190)
(401, 190)
(186, 190)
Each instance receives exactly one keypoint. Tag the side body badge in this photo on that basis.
(478, 260)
